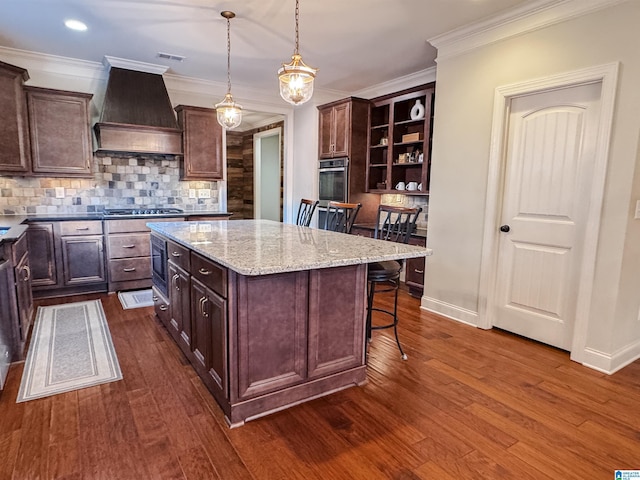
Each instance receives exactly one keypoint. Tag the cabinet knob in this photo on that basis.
(505, 228)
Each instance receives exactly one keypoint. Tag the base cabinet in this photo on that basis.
(67, 257)
(262, 343)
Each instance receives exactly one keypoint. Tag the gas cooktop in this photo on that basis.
(123, 212)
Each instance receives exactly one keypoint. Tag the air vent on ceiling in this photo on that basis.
(171, 56)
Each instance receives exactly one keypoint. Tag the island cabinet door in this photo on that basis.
(337, 310)
(180, 307)
(271, 332)
(209, 340)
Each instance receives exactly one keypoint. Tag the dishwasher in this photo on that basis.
(7, 294)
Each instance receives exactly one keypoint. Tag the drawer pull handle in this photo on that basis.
(175, 281)
(204, 302)
(204, 271)
(418, 271)
(132, 269)
(82, 228)
(163, 308)
(28, 270)
(176, 254)
(128, 246)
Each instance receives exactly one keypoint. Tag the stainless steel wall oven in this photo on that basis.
(333, 184)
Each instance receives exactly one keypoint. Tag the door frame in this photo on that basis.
(607, 75)
(257, 167)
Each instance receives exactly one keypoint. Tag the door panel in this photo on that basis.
(549, 167)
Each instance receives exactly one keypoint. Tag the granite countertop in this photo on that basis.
(17, 224)
(262, 247)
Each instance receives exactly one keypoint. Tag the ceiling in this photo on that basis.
(356, 43)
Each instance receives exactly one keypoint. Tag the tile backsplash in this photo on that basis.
(118, 182)
(410, 201)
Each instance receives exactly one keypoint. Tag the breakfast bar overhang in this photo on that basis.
(275, 313)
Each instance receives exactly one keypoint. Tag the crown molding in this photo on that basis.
(529, 17)
(125, 63)
(54, 64)
(401, 83)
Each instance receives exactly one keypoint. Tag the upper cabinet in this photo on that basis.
(14, 137)
(335, 129)
(59, 131)
(399, 142)
(202, 143)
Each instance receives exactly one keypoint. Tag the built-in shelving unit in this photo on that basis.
(399, 146)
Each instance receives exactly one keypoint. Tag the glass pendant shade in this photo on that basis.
(296, 81)
(229, 113)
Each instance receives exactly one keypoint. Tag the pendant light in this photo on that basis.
(296, 78)
(229, 112)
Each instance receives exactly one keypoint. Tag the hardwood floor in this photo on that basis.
(467, 404)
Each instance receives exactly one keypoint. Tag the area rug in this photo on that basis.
(136, 299)
(71, 348)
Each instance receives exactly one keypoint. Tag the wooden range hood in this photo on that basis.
(137, 116)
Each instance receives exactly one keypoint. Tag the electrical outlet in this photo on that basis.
(192, 193)
(59, 192)
(637, 215)
(204, 193)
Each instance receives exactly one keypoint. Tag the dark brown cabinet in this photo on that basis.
(343, 133)
(209, 344)
(161, 305)
(399, 143)
(201, 142)
(23, 290)
(16, 298)
(335, 129)
(59, 130)
(67, 257)
(14, 136)
(42, 255)
(180, 307)
(414, 269)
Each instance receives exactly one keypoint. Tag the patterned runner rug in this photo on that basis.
(136, 299)
(70, 349)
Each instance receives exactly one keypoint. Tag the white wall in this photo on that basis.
(462, 130)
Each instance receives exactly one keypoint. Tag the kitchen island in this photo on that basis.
(269, 314)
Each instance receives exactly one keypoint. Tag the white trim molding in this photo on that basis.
(607, 75)
(526, 18)
(611, 363)
(453, 312)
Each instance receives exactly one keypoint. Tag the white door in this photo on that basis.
(550, 153)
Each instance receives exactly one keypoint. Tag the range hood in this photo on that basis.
(137, 116)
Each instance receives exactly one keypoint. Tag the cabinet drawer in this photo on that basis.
(210, 274)
(128, 245)
(161, 306)
(124, 269)
(92, 227)
(178, 255)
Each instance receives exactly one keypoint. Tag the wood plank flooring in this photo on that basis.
(468, 404)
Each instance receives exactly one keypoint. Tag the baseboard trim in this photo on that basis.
(449, 310)
(611, 363)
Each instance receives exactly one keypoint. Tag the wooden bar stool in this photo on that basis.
(394, 224)
(341, 216)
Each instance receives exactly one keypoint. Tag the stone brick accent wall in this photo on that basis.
(119, 181)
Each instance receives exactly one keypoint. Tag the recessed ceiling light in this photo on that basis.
(75, 25)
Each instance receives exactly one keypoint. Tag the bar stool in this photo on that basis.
(341, 216)
(305, 211)
(394, 224)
